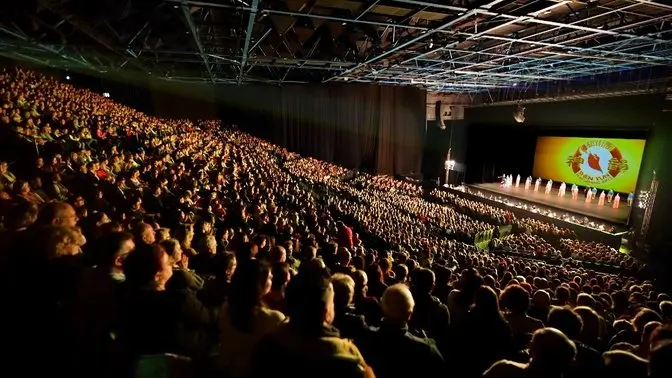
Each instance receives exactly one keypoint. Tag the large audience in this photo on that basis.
(139, 246)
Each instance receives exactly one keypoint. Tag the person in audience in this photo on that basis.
(155, 320)
(551, 355)
(516, 301)
(431, 317)
(308, 345)
(485, 322)
(391, 350)
(589, 362)
(349, 324)
(244, 319)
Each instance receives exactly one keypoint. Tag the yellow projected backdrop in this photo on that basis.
(594, 162)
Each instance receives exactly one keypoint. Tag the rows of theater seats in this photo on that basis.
(136, 246)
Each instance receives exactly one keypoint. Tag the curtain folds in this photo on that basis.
(374, 128)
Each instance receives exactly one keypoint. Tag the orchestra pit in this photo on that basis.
(336, 188)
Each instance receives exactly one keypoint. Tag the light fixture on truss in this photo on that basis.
(519, 114)
(643, 199)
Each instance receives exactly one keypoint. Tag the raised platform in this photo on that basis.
(591, 210)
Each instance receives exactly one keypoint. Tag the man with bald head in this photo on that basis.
(58, 214)
(551, 356)
(391, 350)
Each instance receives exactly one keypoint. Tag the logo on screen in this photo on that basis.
(597, 161)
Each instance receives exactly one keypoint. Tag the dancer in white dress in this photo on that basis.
(517, 181)
(561, 191)
(549, 187)
(537, 184)
(575, 192)
(528, 183)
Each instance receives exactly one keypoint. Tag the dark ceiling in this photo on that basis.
(453, 46)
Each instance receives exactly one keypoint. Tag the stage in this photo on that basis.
(580, 207)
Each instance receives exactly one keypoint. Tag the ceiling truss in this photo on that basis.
(497, 48)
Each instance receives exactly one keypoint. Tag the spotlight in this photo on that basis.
(67, 78)
(519, 114)
(106, 95)
(431, 44)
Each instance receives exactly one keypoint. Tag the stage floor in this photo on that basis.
(591, 210)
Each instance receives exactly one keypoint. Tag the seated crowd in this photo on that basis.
(132, 245)
(474, 209)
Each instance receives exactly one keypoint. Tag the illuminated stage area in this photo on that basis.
(566, 204)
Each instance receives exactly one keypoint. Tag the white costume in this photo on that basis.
(528, 183)
(517, 181)
(549, 187)
(561, 191)
(617, 201)
(537, 184)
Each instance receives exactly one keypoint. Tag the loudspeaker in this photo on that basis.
(446, 112)
(439, 115)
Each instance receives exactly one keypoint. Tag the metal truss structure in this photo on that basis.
(506, 50)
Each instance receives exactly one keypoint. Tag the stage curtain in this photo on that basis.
(402, 131)
(373, 128)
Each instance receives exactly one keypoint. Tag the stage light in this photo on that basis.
(519, 114)
(106, 95)
(67, 78)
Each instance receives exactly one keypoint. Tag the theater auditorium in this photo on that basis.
(336, 188)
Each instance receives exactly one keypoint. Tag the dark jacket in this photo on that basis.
(290, 351)
(392, 351)
(350, 325)
(156, 322)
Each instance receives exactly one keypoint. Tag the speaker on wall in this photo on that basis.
(439, 115)
(446, 112)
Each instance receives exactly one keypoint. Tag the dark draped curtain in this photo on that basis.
(401, 132)
(373, 128)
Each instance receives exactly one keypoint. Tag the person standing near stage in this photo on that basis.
(617, 201)
(549, 187)
(610, 196)
(593, 194)
(528, 182)
(518, 180)
(600, 202)
(631, 199)
(561, 191)
(537, 184)
(589, 195)
(575, 192)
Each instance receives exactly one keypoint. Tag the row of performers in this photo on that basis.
(591, 194)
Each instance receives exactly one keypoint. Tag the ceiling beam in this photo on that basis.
(186, 9)
(248, 36)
